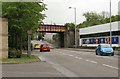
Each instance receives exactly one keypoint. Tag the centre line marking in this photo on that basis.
(92, 61)
(110, 66)
(77, 57)
(60, 52)
(80, 58)
(71, 55)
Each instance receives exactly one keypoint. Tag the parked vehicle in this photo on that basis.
(104, 49)
(37, 46)
(44, 47)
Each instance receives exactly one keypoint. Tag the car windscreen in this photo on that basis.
(36, 45)
(45, 44)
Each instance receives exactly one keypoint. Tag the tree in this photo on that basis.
(93, 18)
(22, 16)
(70, 26)
(105, 14)
(55, 37)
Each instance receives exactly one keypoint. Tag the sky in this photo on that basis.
(59, 13)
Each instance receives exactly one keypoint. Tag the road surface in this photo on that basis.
(65, 63)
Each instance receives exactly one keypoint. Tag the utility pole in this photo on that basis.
(110, 27)
(75, 24)
(29, 42)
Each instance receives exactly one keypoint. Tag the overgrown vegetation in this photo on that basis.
(93, 18)
(118, 49)
(22, 16)
(70, 26)
(14, 53)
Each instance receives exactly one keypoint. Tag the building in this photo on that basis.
(94, 35)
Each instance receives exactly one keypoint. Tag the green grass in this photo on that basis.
(24, 58)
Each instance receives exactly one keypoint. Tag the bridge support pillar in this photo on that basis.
(69, 37)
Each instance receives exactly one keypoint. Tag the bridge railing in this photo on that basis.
(51, 28)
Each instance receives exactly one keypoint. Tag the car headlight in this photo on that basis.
(101, 50)
(112, 50)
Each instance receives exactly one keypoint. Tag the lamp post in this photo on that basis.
(75, 23)
(29, 42)
(110, 27)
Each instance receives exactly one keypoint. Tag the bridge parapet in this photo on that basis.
(51, 28)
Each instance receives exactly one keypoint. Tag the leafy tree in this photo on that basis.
(70, 26)
(92, 18)
(105, 14)
(22, 16)
(55, 37)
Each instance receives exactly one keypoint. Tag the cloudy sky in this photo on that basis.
(59, 13)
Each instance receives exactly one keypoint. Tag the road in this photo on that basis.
(66, 63)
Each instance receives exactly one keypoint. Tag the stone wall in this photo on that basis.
(3, 38)
(69, 39)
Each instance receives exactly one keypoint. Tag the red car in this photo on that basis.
(44, 47)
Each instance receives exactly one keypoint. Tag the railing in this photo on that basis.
(51, 28)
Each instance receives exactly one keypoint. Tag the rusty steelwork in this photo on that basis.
(51, 28)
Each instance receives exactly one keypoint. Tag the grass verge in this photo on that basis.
(24, 59)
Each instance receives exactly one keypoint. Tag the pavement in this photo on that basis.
(36, 69)
(90, 50)
(32, 69)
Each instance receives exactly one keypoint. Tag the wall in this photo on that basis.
(100, 28)
(0, 47)
(3, 38)
(69, 38)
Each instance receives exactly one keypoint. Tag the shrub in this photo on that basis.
(14, 54)
(18, 54)
(118, 49)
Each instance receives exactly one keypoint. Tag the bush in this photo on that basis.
(118, 49)
(14, 54)
(18, 54)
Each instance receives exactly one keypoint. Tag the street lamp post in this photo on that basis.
(110, 27)
(29, 42)
(75, 23)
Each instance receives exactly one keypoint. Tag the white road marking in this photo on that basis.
(63, 53)
(71, 55)
(72, 51)
(110, 66)
(77, 52)
(62, 69)
(92, 61)
(106, 57)
(78, 58)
